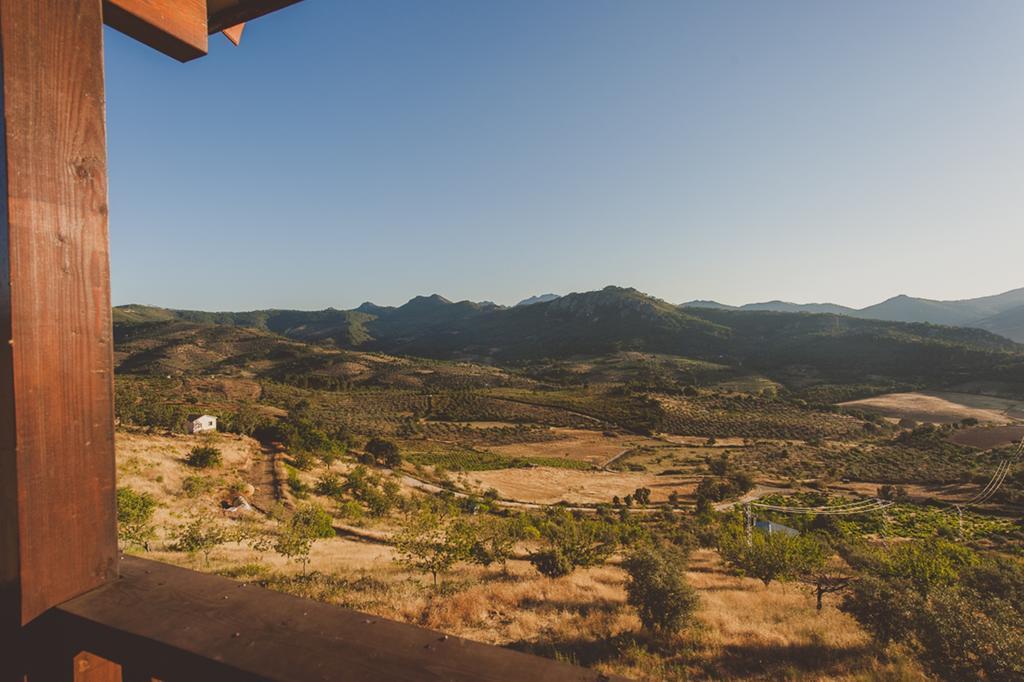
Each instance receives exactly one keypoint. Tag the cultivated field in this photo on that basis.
(941, 407)
(548, 486)
(583, 445)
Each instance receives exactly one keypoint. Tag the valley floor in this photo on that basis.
(743, 630)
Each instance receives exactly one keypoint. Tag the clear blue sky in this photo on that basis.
(741, 151)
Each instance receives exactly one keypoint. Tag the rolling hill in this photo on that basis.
(986, 312)
(613, 320)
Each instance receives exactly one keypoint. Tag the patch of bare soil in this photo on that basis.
(939, 408)
(987, 438)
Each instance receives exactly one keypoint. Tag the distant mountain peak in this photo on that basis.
(432, 299)
(540, 298)
(703, 303)
(370, 308)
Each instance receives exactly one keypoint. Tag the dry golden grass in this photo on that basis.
(742, 630)
(755, 632)
(548, 485)
(579, 444)
(939, 407)
(155, 464)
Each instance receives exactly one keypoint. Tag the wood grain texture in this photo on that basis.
(177, 28)
(57, 508)
(191, 626)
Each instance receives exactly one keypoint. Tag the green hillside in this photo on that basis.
(795, 348)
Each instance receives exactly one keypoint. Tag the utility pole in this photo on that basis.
(748, 523)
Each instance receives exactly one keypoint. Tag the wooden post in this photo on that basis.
(57, 508)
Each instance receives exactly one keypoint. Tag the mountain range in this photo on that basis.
(816, 347)
(1001, 314)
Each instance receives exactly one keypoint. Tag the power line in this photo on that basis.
(997, 480)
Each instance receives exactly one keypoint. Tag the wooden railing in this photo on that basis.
(168, 623)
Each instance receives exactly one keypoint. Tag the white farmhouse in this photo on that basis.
(202, 424)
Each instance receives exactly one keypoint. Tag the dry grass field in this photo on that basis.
(742, 629)
(584, 445)
(547, 485)
(942, 407)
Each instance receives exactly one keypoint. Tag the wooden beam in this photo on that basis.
(177, 624)
(234, 34)
(57, 510)
(177, 28)
(245, 11)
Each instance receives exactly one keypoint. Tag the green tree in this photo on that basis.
(657, 590)
(495, 539)
(771, 556)
(295, 537)
(204, 457)
(384, 452)
(573, 542)
(329, 484)
(314, 521)
(135, 517)
(926, 564)
(432, 541)
(201, 534)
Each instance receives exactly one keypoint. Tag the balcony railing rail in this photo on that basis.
(164, 622)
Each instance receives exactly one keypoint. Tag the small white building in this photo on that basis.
(202, 424)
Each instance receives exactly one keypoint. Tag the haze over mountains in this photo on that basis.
(1001, 314)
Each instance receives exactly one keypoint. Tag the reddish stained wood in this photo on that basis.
(57, 517)
(91, 668)
(243, 11)
(185, 625)
(234, 34)
(177, 28)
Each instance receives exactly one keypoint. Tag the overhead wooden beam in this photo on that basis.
(234, 34)
(245, 11)
(57, 508)
(177, 28)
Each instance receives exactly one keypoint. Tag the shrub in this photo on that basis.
(329, 485)
(194, 486)
(960, 636)
(495, 539)
(314, 521)
(200, 535)
(552, 563)
(658, 591)
(771, 556)
(432, 541)
(134, 517)
(295, 484)
(296, 536)
(885, 608)
(573, 542)
(927, 564)
(204, 457)
(384, 452)
(962, 627)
